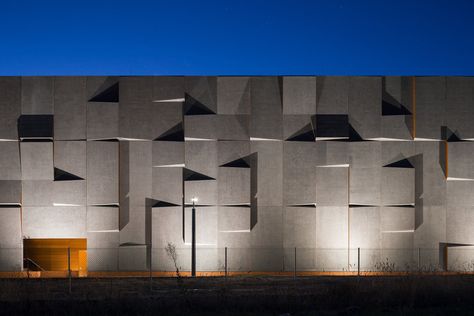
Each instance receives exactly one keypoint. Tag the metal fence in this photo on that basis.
(236, 260)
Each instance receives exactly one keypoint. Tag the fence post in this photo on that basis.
(358, 261)
(150, 268)
(225, 262)
(69, 267)
(419, 259)
(294, 268)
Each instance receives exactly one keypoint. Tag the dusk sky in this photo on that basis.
(245, 37)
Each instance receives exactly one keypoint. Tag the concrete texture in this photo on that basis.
(250, 149)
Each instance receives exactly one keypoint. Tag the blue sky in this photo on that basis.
(238, 37)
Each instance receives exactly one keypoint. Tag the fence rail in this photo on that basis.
(229, 261)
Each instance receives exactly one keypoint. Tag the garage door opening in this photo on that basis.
(55, 255)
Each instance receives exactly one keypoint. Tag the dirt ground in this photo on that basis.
(396, 295)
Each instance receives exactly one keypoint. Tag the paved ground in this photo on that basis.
(240, 296)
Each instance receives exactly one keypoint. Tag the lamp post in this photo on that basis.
(193, 238)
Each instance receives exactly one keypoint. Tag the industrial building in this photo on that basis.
(325, 173)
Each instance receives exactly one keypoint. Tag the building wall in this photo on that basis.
(325, 165)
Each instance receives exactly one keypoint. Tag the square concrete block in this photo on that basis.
(102, 172)
(337, 153)
(54, 222)
(268, 232)
(103, 240)
(133, 258)
(37, 161)
(299, 185)
(10, 192)
(459, 111)
(365, 227)
(332, 186)
(299, 95)
(167, 227)
(168, 185)
(168, 88)
(365, 154)
(103, 259)
(228, 151)
(137, 112)
(70, 156)
(397, 219)
(10, 228)
(102, 219)
(206, 226)
(69, 108)
(432, 228)
(398, 186)
(134, 230)
(136, 171)
(459, 160)
(233, 127)
(365, 186)
(206, 191)
(298, 127)
(269, 172)
(201, 127)
(459, 220)
(430, 106)
(10, 168)
(365, 98)
(201, 156)
(397, 126)
(459, 193)
(233, 95)
(332, 227)
(299, 227)
(401, 241)
(234, 186)
(10, 107)
(37, 95)
(332, 94)
(38, 192)
(102, 120)
(167, 153)
(234, 219)
(266, 110)
(203, 89)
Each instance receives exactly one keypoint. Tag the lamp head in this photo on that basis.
(194, 199)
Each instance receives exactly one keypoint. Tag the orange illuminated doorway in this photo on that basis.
(56, 254)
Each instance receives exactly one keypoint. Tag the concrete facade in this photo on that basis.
(325, 165)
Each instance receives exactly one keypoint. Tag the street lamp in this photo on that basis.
(193, 237)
